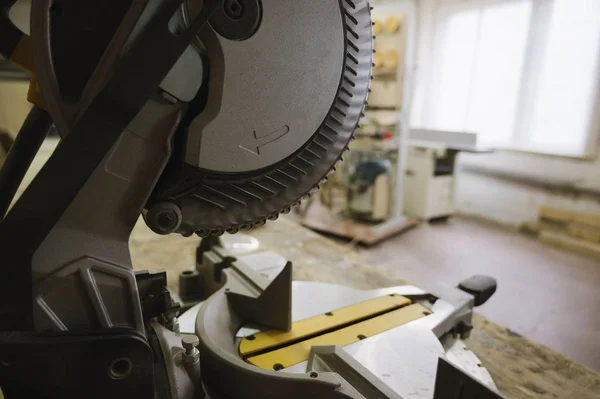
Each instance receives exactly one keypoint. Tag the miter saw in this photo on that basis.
(205, 117)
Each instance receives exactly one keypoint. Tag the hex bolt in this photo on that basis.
(172, 324)
(234, 9)
(464, 330)
(164, 218)
(190, 344)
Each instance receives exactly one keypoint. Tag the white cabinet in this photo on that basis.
(429, 182)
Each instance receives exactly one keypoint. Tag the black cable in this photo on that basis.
(36, 127)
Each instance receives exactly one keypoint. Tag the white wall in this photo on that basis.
(507, 201)
(504, 200)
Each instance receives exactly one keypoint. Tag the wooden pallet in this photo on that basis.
(320, 219)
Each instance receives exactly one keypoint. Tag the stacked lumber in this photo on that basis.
(575, 231)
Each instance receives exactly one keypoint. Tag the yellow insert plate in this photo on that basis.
(296, 353)
(322, 323)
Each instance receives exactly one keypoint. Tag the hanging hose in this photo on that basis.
(36, 127)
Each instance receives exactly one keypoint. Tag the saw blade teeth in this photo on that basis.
(351, 3)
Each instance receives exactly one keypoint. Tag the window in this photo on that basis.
(522, 74)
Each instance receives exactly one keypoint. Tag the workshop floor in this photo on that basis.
(545, 294)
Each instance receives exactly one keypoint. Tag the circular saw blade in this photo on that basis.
(280, 109)
(268, 94)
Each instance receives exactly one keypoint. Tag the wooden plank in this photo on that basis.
(543, 225)
(587, 219)
(564, 217)
(584, 232)
(556, 215)
(579, 225)
(565, 241)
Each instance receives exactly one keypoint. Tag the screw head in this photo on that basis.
(164, 218)
(189, 342)
(234, 9)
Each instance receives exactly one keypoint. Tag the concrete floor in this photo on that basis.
(545, 294)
